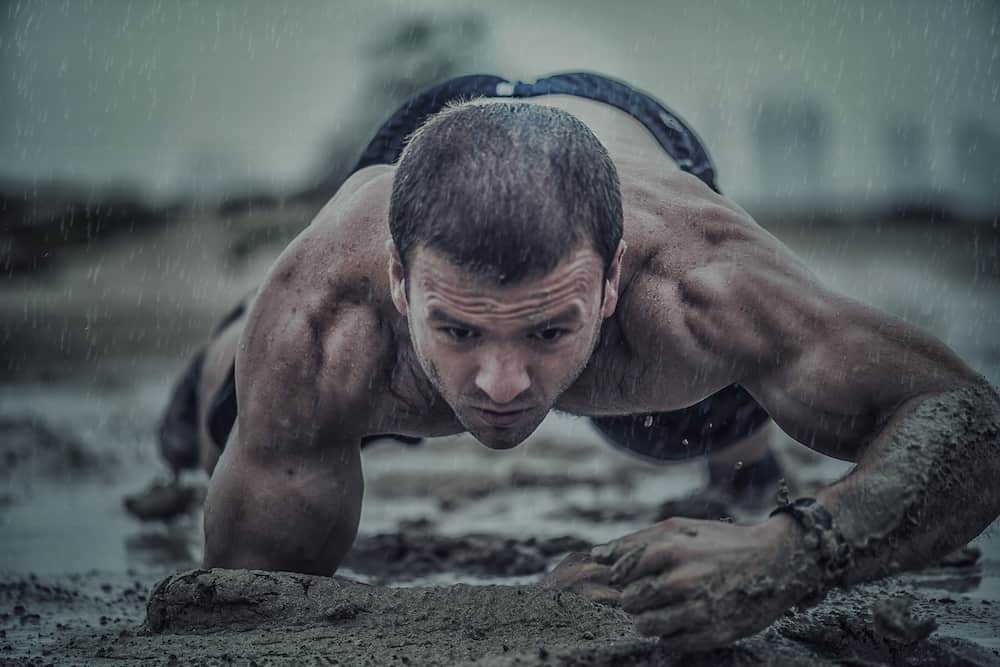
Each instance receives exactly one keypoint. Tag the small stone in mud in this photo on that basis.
(342, 612)
(893, 619)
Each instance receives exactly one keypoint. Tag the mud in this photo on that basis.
(894, 619)
(411, 554)
(216, 617)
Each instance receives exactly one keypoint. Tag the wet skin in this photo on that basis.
(343, 342)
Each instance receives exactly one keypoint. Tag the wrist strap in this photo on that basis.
(832, 551)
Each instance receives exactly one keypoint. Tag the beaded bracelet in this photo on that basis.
(833, 553)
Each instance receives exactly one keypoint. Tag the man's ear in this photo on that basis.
(397, 279)
(612, 281)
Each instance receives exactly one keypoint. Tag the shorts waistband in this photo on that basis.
(672, 133)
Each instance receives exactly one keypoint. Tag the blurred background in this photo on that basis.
(156, 156)
(121, 118)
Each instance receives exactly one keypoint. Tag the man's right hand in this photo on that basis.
(580, 574)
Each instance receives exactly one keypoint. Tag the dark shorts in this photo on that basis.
(712, 424)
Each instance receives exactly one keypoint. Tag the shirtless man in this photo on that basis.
(562, 245)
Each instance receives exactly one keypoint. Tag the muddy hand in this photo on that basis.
(578, 573)
(704, 584)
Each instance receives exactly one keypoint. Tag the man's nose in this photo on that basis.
(502, 376)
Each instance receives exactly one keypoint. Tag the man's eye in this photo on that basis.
(550, 335)
(459, 334)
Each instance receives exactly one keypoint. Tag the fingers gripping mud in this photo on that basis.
(702, 584)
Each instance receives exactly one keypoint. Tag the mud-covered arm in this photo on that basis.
(924, 486)
(859, 384)
(286, 494)
(839, 377)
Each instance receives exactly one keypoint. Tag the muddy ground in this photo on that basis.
(453, 537)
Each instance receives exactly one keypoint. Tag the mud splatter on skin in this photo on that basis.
(931, 475)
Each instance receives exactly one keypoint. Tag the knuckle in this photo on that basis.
(680, 523)
(671, 524)
(575, 559)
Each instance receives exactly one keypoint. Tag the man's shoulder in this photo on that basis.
(338, 262)
(362, 200)
(320, 312)
(708, 278)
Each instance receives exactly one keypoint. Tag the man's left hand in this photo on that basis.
(705, 584)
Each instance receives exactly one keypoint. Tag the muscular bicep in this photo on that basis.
(840, 382)
(828, 369)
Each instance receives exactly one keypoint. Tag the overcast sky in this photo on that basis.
(162, 96)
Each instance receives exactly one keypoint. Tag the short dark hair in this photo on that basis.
(505, 190)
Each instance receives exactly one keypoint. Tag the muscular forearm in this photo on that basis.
(924, 487)
(298, 516)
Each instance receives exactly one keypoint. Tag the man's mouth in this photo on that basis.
(498, 418)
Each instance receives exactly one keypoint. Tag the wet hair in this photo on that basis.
(505, 190)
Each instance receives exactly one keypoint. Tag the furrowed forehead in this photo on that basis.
(571, 315)
(579, 272)
(429, 266)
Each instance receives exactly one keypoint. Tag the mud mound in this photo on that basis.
(515, 625)
(362, 624)
(883, 624)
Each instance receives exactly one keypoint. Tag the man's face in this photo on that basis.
(501, 356)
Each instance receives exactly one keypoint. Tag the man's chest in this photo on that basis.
(645, 361)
